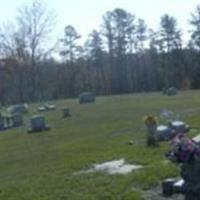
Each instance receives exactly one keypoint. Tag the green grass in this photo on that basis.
(40, 166)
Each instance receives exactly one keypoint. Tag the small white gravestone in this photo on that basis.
(41, 109)
(49, 106)
(196, 139)
(46, 107)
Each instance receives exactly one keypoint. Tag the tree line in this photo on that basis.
(122, 56)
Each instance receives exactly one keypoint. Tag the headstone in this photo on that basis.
(46, 107)
(66, 112)
(167, 187)
(179, 126)
(130, 142)
(178, 186)
(38, 124)
(166, 115)
(196, 139)
(41, 109)
(167, 132)
(164, 133)
(17, 120)
(172, 186)
(8, 121)
(86, 97)
(171, 91)
(2, 125)
(191, 176)
(164, 90)
(49, 106)
(20, 108)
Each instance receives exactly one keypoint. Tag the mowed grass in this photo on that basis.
(41, 166)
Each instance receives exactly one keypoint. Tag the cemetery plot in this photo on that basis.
(80, 159)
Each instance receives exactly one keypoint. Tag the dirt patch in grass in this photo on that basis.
(113, 167)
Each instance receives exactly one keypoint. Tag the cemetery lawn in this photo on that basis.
(41, 166)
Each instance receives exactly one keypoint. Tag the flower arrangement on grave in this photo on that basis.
(184, 150)
(151, 125)
(186, 153)
(150, 119)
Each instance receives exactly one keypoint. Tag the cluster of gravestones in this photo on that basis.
(158, 133)
(170, 91)
(14, 117)
(37, 122)
(169, 131)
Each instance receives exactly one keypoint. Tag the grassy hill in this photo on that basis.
(41, 166)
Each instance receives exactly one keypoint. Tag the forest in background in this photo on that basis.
(123, 55)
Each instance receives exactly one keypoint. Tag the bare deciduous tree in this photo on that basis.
(35, 23)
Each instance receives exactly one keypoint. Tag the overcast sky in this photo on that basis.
(86, 15)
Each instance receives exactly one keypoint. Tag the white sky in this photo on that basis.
(86, 15)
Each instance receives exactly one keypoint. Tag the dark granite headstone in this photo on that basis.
(191, 175)
(38, 123)
(167, 187)
(173, 186)
(86, 97)
(66, 112)
(167, 132)
(164, 133)
(179, 126)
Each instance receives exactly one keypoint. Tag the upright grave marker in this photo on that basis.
(17, 120)
(86, 97)
(66, 112)
(38, 123)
